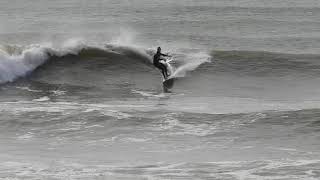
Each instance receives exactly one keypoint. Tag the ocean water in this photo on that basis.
(80, 98)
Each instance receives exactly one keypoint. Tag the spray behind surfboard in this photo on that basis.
(189, 63)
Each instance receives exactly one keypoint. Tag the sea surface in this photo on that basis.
(80, 98)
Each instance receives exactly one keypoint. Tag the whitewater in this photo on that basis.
(81, 99)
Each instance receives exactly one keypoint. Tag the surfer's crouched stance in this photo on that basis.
(156, 62)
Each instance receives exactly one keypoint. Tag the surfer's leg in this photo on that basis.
(164, 70)
(164, 74)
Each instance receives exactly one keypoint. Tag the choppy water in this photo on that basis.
(80, 99)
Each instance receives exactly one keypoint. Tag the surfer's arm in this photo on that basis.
(166, 55)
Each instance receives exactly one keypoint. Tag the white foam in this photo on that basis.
(58, 92)
(44, 98)
(28, 89)
(133, 139)
(18, 61)
(177, 127)
(13, 66)
(27, 136)
(148, 94)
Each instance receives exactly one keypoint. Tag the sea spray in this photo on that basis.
(190, 63)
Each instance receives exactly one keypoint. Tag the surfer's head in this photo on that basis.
(159, 49)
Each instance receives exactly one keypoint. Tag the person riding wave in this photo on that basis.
(156, 62)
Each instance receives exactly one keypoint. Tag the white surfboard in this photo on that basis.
(169, 82)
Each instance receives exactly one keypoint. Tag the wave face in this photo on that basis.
(19, 61)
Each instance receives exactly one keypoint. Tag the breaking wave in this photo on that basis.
(19, 61)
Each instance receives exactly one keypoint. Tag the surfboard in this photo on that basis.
(168, 83)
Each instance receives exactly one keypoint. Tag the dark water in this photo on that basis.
(80, 98)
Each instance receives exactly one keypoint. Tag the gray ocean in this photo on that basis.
(80, 98)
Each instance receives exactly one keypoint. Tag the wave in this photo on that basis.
(19, 61)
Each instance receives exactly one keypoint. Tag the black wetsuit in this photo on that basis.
(156, 62)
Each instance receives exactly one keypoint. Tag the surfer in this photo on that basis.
(156, 62)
